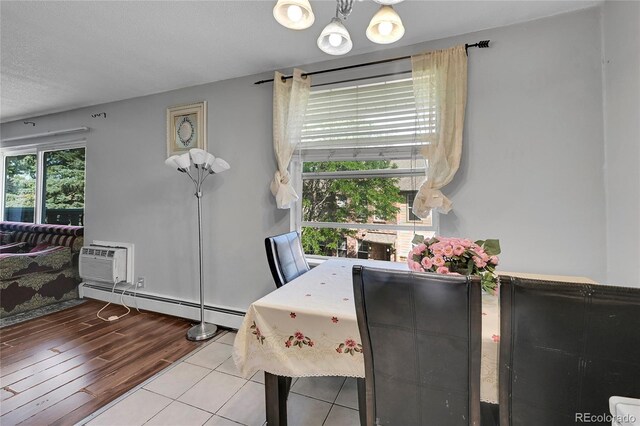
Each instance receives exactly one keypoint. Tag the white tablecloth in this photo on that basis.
(309, 328)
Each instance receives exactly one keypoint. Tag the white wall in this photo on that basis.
(621, 36)
(531, 172)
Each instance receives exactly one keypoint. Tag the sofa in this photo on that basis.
(38, 265)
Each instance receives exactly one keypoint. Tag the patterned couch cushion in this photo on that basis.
(12, 248)
(58, 235)
(6, 237)
(15, 265)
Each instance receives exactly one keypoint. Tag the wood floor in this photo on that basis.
(59, 368)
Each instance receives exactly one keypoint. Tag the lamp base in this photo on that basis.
(202, 331)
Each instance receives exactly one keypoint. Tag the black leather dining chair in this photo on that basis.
(286, 257)
(565, 348)
(421, 340)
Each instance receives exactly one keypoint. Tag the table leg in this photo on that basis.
(276, 391)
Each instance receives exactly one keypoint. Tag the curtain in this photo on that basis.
(440, 90)
(289, 106)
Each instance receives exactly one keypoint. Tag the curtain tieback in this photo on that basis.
(430, 198)
(282, 189)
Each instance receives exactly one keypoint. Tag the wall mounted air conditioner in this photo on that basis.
(103, 264)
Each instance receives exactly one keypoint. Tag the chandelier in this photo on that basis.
(385, 26)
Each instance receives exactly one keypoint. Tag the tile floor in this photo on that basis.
(206, 389)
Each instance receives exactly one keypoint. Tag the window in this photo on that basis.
(19, 187)
(356, 168)
(44, 185)
(411, 195)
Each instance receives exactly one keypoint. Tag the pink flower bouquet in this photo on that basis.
(456, 256)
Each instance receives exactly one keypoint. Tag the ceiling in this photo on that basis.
(57, 56)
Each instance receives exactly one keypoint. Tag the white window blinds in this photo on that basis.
(370, 120)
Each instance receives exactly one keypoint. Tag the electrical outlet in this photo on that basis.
(140, 282)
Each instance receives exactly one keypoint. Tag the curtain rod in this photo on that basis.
(481, 45)
(45, 134)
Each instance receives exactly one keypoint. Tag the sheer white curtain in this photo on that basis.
(289, 106)
(440, 90)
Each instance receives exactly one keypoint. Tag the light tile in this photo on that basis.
(324, 388)
(258, 377)
(213, 391)
(178, 380)
(220, 421)
(303, 411)
(348, 396)
(227, 338)
(247, 406)
(178, 413)
(211, 356)
(341, 416)
(229, 367)
(136, 409)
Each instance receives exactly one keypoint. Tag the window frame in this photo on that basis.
(297, 176)
(39, 149)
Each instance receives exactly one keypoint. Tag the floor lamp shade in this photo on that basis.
(198, 164)
(198, 156)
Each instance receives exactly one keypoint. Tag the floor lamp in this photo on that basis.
(198, 164)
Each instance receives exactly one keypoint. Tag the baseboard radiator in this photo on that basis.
(223, 316)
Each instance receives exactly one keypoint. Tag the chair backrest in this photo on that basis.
(286, 257)
(565, 348)
(421, 338)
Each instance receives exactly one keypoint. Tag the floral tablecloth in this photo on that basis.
(309, 328)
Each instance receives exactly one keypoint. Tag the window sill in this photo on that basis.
(314, 261)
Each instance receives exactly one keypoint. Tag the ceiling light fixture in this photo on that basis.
(294, 14)
(385, 26)
(335, 39)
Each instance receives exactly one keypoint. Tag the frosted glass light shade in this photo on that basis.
(335, 39)
(184, 161)
(171, 162)
(209, 161)
(385, 26)
(294, 14)
(198, 156)
(219, 166)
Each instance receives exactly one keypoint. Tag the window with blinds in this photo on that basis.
(377, 119)
(357, 171)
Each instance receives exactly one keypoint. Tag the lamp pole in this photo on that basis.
(202, 331)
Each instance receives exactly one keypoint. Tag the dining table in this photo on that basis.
(309, 328)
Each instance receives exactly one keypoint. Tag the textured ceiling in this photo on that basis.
(57, 56)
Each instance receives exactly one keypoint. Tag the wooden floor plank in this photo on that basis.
(78, 384)
(31, 344)
(60, 410)
(91, 349)
(50, 385)
(60, 317)
(97, 347)
(78, 364)
(8, 368)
